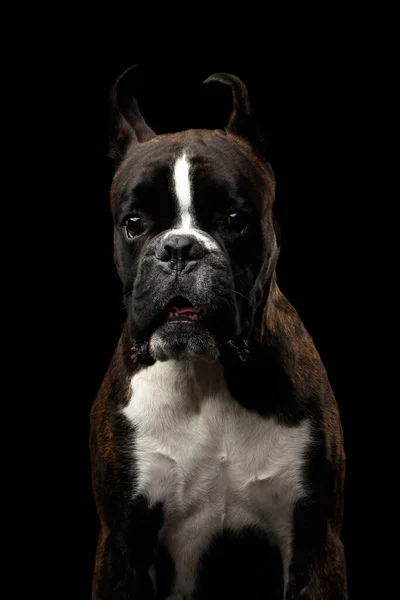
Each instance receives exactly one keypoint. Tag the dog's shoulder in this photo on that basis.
(109, 432)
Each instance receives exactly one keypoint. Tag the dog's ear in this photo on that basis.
(241, 121)
(127, 124)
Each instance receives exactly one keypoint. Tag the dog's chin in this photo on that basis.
(183, 341)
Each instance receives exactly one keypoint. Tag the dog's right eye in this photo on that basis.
(238, 221)
(133, 226)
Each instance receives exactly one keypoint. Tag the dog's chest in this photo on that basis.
(209, 461)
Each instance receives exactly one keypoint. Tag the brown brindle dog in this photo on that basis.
(216, 443)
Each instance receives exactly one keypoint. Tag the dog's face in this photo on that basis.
(193, 240)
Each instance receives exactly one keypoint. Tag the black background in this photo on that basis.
(306, 96)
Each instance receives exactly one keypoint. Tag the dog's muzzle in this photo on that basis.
(183, 302)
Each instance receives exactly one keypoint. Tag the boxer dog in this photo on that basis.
(216, 442)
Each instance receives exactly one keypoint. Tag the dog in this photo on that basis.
(216, 442)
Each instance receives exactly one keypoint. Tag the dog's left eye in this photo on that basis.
(238, 221)
(133, 226)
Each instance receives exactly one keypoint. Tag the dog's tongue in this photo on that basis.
(183, 311)
(189, 312)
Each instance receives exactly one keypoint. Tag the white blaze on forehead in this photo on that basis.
(183, 191)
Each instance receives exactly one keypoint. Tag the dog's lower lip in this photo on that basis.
(182, 319)
(180, 322)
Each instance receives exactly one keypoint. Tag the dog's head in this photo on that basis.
(195, 245)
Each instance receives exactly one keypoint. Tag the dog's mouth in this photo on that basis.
(180, 310)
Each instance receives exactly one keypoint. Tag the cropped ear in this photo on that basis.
(127, 123)
(241, 121)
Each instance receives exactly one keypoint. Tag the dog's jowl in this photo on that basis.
(216, 444)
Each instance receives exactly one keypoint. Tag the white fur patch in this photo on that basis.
(183, 191)
(186, 222)
(211, 462)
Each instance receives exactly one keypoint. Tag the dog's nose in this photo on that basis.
(178, 248)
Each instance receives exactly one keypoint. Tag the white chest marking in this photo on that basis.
(211, 462)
